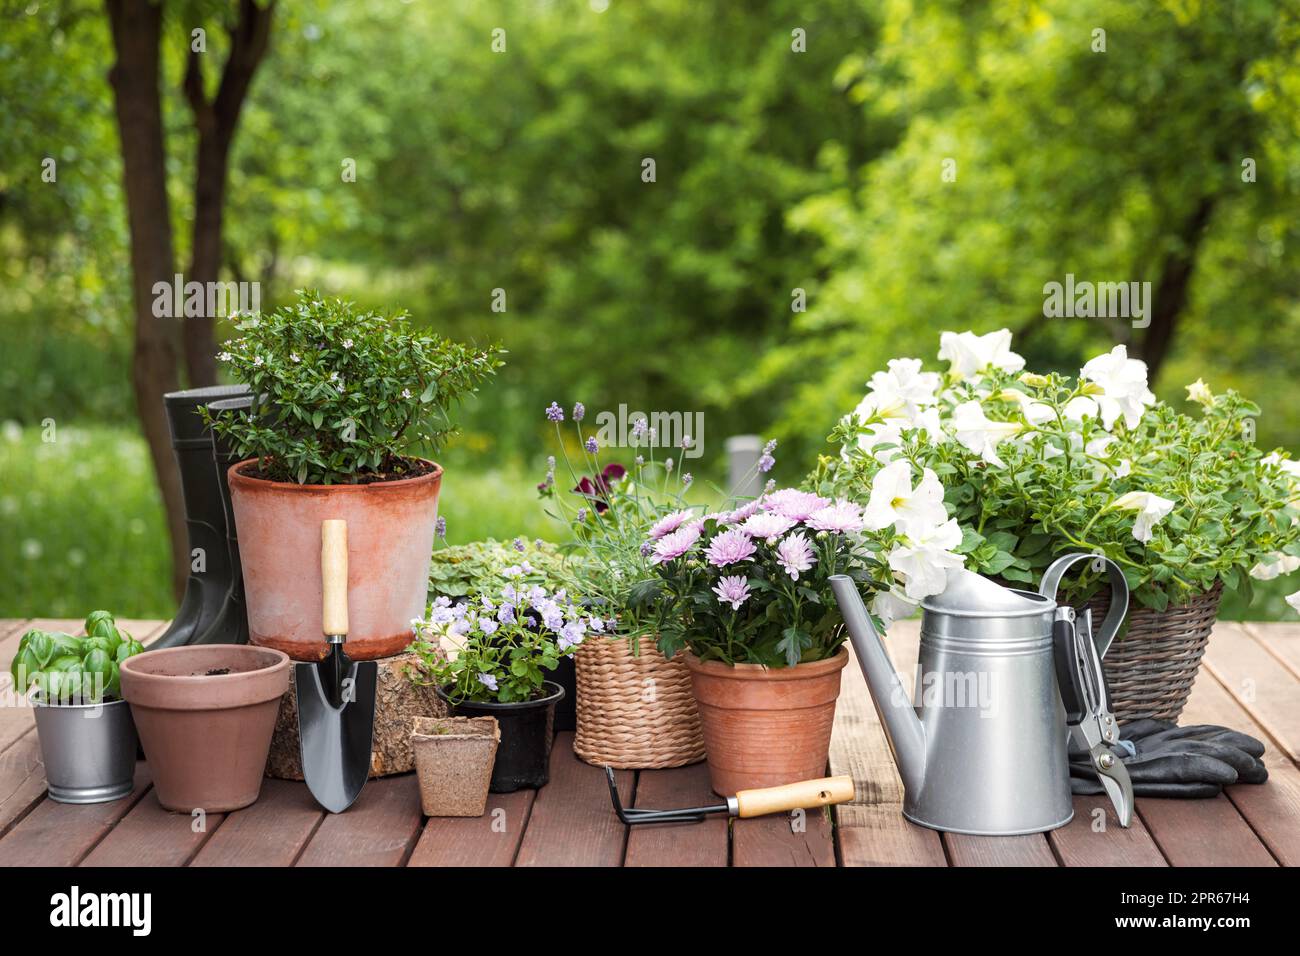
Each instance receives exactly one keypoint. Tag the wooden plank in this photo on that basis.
(799, 839)
(1267, 690)
(379, 830)
(859, 746)
(1272, 809)
(490, 840)
(678, 844)
(22, 780)
(881, 836)
(572, 823)
(1029, 850)
(1095, 838)
(271, 832)
(1202, 832)
(1282, 640)
(151, 836)
(61, 834)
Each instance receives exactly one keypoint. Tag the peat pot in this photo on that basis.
(390, 543)
(453, 761)
(205, 714)
(88, 750)
(523, 757)
(764, 727)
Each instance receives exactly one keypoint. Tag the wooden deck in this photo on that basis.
(1251, 682)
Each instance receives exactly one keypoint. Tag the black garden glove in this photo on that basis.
(1165, 760)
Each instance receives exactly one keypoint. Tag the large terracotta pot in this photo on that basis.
(390, 542)
(764, 727)
(205, 714)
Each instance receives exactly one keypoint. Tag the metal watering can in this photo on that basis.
(1004, 677)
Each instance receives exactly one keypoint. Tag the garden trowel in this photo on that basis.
(336, 696)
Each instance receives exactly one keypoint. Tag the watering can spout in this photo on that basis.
(892, 700)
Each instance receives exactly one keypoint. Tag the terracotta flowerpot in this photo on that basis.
(205, 714)
(390, 543)
(453, 759)
(765, 727)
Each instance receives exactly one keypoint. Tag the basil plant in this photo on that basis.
(74, 670)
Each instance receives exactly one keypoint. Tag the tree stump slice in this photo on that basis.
(397, 702)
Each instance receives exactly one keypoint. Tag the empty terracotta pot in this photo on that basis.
(764, 727)
(390, 543)
(205, 715)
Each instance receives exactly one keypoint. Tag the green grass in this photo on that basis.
(83, 525)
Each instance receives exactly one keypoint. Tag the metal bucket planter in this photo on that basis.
(88, 750)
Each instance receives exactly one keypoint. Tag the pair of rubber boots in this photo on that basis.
(212, 609)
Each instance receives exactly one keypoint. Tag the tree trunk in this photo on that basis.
(1169, 299)
(136, 29)
(216, 120)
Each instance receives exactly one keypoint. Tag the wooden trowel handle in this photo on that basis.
(334, 577)
(804, 795)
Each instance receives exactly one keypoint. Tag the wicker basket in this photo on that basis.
(635, 712)
(1152, 664)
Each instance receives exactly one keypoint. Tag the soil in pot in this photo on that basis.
(454, 757)
(766, 727)
(390, 544)
(205, 715)
(523, 758)
(88, 750)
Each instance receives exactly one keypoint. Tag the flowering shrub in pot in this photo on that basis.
(746, 593)
(87, 737)
(1033, 465)
(343, 398)
(489, 657)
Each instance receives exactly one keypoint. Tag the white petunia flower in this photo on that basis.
(1035, 412)
(1274, 566)
(1123, 384)
(1294, 600)
(969, 354)
(924, 560)
(891, 606)
(894, 502)
(980, 434)
(903, 390)
(1150, 510)
(1200, 393)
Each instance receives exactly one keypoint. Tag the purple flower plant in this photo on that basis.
(767, 524)
(440, 527)
(733, 590)
(795, 554)
(842, 517)
(668, 524)
(591, 445)
(554, 412)
(597, 491)
(730, 547)
(579, 410)
(794, 504)
(674, 545)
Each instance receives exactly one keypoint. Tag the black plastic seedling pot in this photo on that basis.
(527, 731)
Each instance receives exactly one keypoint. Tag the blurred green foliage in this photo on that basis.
(775, 170)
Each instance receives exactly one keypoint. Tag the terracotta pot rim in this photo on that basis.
(809, 669)
(281, 662)
(554, 698)
(236, 477)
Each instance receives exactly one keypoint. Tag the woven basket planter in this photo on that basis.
(1152, 664)
(635, 712)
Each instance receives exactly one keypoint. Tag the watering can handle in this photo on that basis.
(1118, 593)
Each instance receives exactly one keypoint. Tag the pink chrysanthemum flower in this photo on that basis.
(674, 545)
(795, 554)
(793, 503)
(733, 590)
(741, 513)
(668, 524)
(728, 548)
(841, 518)
(767, 525)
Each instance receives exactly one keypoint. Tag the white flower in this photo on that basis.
(1079, 408)
(1123, 383)
(923, 561)
(1150, 509)
(1288, 466)
(257, 361)
(1274, 565)
(347, 343)
(978, 433)
(406, 393)
(902, 391)
(295, 358)
(1294, 600)
(970, 354)
(894, 502)
(1035, 412)
(891, 606)
(1200, 393)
